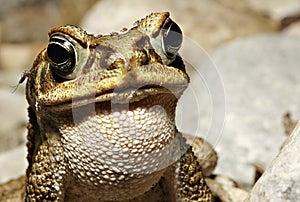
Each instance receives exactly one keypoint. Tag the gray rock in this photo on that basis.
(275, 9)
(30, 20)
(225, 191)
(261, 82)
(13, 163)
(293, 29)
(281, 181)
(199, 20)
(30, 23)
(26, 53)
(13, 119)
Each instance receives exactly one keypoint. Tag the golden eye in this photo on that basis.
(171, 38)
(61, 55)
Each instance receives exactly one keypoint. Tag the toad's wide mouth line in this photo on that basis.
(118, 96)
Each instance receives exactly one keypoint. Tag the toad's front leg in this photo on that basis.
(46, 175)
(186, 180)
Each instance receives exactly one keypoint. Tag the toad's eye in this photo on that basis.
(171, 39)
(61, 55)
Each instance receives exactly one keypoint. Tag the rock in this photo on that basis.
(13, 119)
(275, 9)
(9, 81)
(13, 163)
(281, 181)
(200, 20)
(7, 6)
(13, 190)
(225, 191)
(261, 82)
(293, 29)
(28, 21)
(72, 12)
(26, 53)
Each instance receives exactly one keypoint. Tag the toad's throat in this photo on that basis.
(130, 148)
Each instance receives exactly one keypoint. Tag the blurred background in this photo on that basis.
(253, 44)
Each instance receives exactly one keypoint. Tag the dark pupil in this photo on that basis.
(61, 56)
(173, 37)
(58, 54)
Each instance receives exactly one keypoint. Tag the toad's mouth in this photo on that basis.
(120, 96)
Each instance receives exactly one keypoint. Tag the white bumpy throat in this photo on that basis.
(125, 146)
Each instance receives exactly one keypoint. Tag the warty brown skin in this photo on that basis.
(103, 128)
